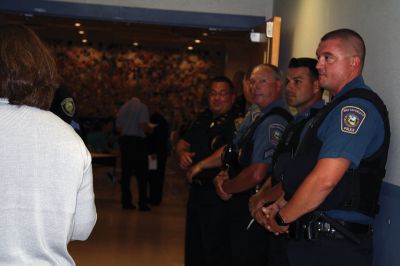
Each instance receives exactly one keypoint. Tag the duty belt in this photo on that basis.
(320, 225)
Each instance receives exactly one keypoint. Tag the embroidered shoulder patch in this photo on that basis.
(351, 119)
(275, 133)
(68, 106)
(238, 122)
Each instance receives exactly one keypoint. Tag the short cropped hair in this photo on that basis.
(28, 72)
(309, 63)
(223, 79)
(276, 71)
(350, 36)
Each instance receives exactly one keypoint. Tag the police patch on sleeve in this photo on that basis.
(275, 133)
(268, 153)
(68, 106)
(351, 119)
(238, 122)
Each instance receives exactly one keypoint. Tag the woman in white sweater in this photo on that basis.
(46, 183)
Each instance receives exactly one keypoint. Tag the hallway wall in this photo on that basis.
(303, 24)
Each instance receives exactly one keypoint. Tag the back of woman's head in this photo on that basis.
(28, 72)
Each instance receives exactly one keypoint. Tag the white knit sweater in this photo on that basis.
(46, 187)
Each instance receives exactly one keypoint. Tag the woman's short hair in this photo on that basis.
(28, 72)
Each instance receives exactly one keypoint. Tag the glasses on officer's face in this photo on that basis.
(220, 94)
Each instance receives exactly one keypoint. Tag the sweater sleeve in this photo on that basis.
(85, 214)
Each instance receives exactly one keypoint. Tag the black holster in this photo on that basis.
(230, 161)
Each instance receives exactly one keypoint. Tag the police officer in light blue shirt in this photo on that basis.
(340, 141)
(303, 93)
(255, 143)
(332, 184)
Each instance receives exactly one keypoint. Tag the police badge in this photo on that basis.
(351, 119)
(68, 106)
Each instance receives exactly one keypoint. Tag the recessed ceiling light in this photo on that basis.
(190, 48)
(197, 41)
(84, 40)
(77, 24)
(135, 44)
(205, 34)
(81, 32)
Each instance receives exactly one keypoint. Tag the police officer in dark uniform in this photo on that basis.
(303, 93)
(63, 105)
(206, 231)
(332, 183)
(254, 145)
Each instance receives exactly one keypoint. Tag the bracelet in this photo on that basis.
(279, 220)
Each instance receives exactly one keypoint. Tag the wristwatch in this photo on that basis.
(279, 220)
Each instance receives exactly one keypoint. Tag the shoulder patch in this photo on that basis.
(275, 133)
(238, 122)
(68, 106)
(352, 118)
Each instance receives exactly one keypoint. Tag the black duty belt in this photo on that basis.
(315, 227)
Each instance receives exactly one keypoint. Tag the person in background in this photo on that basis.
(206, 242)
(158, 149)
(133, 123)
(244, 98)
(46, 189)
(332, 182)
(63, 105)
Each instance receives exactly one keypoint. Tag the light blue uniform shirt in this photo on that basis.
(304, 115)
(353, 130)
(359, 140)
(267, 135)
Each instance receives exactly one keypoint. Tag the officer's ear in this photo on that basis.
(315, 86)
(355, 61)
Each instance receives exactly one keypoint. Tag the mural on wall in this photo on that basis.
(100, 79)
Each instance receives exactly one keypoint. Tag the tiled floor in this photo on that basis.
(136, 238)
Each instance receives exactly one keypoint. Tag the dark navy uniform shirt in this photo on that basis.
(203, 131)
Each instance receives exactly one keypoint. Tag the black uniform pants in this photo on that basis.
(156, 179)
(325, 251)
(249, 247)
(206, 242)
(133, 161)
(277, 250)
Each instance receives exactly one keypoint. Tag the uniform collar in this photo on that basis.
(358, 82)
(307, 112)
(277, 103)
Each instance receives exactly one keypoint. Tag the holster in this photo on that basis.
(317, 224)
(230, 161)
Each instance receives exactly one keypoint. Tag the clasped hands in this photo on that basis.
(265, 215)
